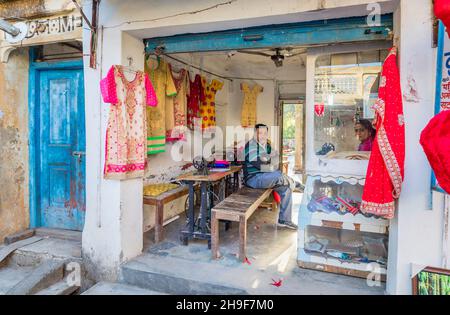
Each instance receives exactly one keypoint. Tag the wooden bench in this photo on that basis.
(237, 207)
(159, 202)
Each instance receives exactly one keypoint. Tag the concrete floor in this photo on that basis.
(272, 253)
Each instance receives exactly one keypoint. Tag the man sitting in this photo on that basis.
(258, 173)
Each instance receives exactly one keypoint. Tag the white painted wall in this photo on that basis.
(415, 234)
(113, 231)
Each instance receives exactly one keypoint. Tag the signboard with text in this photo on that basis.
(445, 79)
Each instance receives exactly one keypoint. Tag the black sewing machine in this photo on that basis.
(202, 165)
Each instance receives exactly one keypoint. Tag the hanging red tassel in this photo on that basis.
(442, 12)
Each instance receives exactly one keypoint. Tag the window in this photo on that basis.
(346, 87)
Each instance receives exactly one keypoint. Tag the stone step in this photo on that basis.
(48, 248)
(109, 288)
(59, 288)
(58, 233)
(45, 275)
(179, 276)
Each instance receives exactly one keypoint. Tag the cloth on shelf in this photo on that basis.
(318, 245)
(176, 106)
(249, 107)
(326, 148)
(154, 190)
(159, 74)
(385, 172)
(127, 123)
(208, 105)
(323, 204)
(349, 155)
(195, 96)
(435, 140)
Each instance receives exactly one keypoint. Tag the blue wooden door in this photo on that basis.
(61, 148)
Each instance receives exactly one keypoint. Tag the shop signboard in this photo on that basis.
(442, 82)
(444, 103)
(53, 29)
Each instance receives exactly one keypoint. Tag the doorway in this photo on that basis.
(57, 145)
(292, 139)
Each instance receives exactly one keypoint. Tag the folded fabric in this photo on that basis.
(435, 140)
(154, 190)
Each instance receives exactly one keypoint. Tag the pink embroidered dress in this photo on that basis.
(126, 133)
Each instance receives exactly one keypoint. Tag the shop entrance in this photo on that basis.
(263, 61)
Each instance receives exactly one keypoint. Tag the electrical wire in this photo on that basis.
(173, 15)
(198, 68)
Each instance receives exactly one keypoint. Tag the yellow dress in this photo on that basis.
(159, 73)
(248, 114)
(208, 105)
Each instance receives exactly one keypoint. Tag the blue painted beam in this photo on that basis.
(295, 34)
(437, 102)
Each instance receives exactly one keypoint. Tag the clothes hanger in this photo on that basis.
(130, 68)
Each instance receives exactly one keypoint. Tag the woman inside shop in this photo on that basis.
(365, 133)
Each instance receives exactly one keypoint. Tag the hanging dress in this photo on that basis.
(194, 98)
(176, 106)
(126, 133)
(208, 105)
(249, 108)
(385, 172)
(159, 73)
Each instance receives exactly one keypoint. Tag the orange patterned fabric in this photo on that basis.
(208, 105)
(176, 106)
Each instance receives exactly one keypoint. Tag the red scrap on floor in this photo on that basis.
(276, 283)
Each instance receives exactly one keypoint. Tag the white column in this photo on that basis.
(113, 230)
(415, 233)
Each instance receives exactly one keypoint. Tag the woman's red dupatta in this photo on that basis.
(385, 172)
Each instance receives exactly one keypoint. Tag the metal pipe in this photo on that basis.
(9, 28)
(83, 15)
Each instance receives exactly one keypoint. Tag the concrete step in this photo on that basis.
(48, 248)
(109, 288)
(45, 275)
(11, 276)
(179, 276)
(60, 234)
(59, 288)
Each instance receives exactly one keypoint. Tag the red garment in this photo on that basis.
(435, 140)
(385, 172)
(194, 98)
(442, 12)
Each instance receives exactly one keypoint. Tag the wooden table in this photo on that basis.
(205, 181)
(159, 202)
